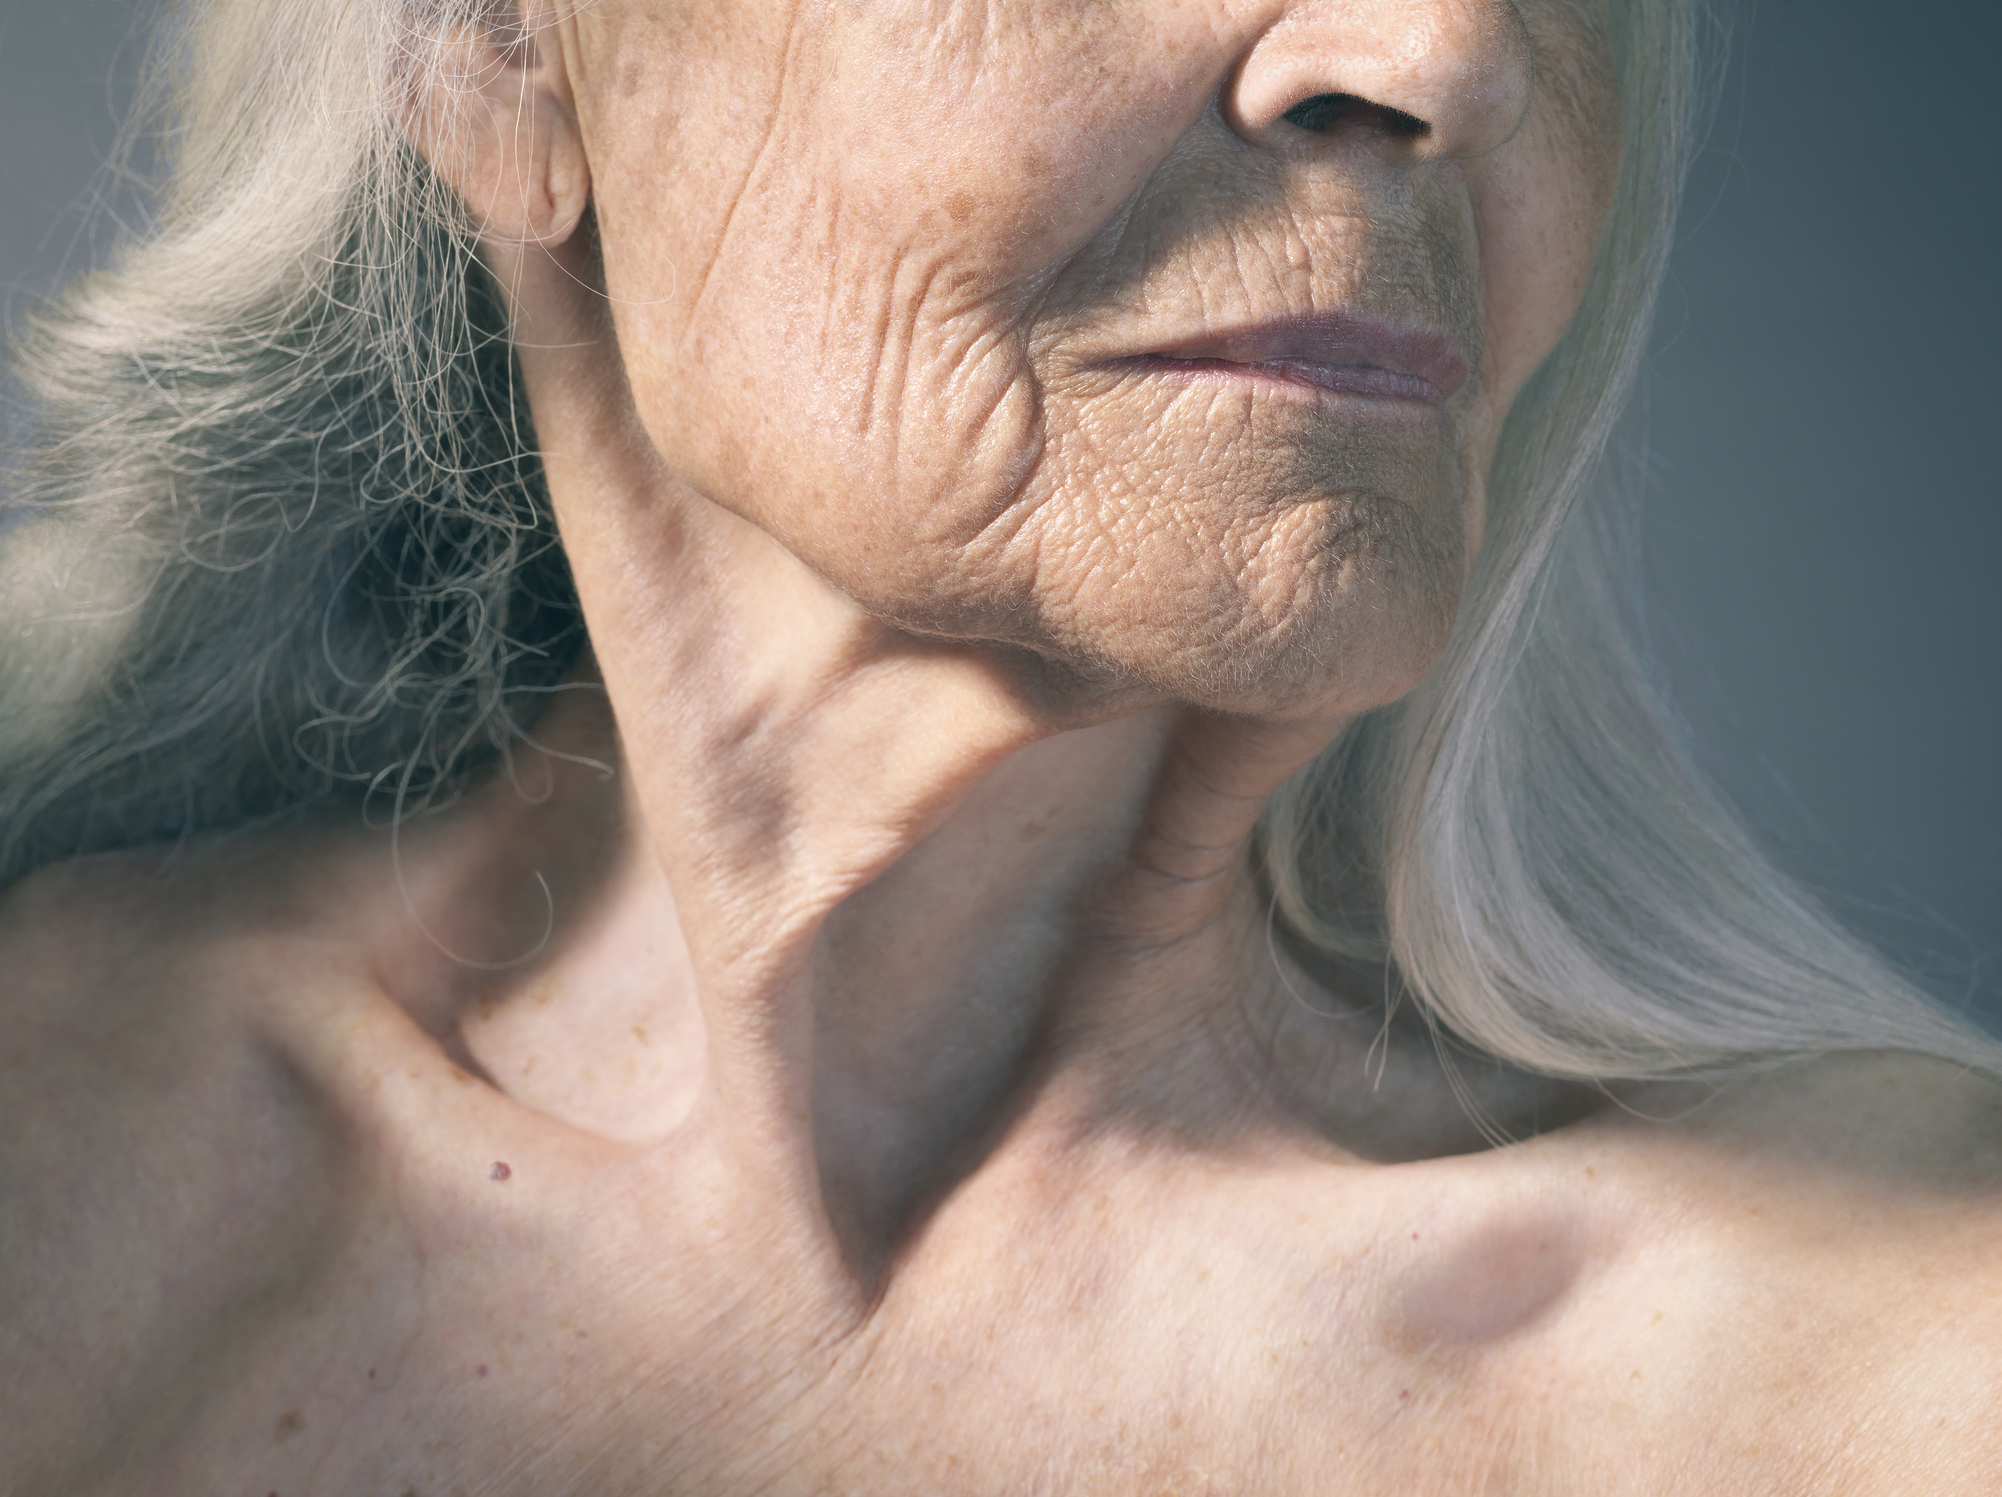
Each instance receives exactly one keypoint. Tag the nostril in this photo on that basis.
(1324, 112)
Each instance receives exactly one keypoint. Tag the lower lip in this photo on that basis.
(1365, 380)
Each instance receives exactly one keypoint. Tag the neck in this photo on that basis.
(883, 851)
(880, 854)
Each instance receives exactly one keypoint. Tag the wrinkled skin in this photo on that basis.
(885, 1079)
(877, 306)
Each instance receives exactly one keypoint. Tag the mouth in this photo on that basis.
(1347, 353)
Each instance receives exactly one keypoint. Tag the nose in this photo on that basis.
(1419, 79)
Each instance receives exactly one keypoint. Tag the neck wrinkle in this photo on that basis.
(876, 844)
(884, 851)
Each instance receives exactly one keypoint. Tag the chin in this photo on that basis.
(1346, 619)
(1355, 656)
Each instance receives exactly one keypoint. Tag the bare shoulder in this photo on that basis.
(151, 1150)
(1827, 1263)
(1870, 1125)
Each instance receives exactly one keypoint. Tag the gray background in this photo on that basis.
(1825, 515)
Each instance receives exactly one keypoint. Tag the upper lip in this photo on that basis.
(1346, 351)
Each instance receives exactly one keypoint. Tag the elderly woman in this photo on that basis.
(891, 748)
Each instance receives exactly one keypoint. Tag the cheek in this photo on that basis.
(1540, 207)
(850, 179)
(823, 304)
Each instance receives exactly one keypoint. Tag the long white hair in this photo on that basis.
(279, 536)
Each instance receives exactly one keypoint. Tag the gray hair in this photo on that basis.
(283, 538)
(283, 535)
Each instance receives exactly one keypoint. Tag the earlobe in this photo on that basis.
(492, 112)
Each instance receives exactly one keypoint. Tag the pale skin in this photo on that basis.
(901, 1089)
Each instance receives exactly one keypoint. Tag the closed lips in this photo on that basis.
(1350, 354)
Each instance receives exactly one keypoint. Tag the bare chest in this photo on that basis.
(506, 1313)
(334, 1264)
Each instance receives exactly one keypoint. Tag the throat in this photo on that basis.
(937, 986)
(1053, 952)
(673, 982)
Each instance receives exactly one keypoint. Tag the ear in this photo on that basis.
(492, 110)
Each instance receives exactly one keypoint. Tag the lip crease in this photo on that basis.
(1345, 352)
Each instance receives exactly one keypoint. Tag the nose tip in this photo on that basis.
(1420, 79)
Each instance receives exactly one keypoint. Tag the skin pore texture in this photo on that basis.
(996, 446)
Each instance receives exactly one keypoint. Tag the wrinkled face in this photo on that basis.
(1166, 338)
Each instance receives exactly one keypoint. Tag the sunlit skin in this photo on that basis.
(996, 446)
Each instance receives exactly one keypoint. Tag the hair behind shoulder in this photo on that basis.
(280, 536)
